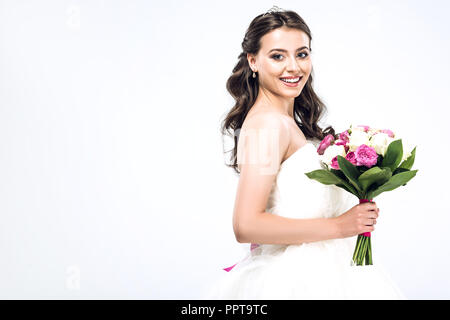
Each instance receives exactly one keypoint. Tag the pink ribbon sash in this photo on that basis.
(253, 246)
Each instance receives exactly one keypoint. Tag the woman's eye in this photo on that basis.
(275, 56)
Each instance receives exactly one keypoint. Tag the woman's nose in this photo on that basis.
(293, 65)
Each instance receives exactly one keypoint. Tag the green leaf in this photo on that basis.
(398, 170)
(374, 175)
(339, 173)
(323, 176)
(352, 191)
(393, 155)
(394, 182)
(328, 177)
(351, 172)
(408, 163)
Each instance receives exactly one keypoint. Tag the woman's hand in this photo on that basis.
(359, 219)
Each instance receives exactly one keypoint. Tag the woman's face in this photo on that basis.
(284, 53)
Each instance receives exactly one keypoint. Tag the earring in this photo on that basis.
(254, 75)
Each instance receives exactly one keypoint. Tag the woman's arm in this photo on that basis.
(263, 143)
(270, 228)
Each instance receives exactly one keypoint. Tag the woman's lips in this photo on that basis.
(292, 84)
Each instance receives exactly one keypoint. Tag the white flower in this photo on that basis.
(380, 142)
(372, 131)
(406, 149)
(406, 155)
(357, 138)
(331, 152)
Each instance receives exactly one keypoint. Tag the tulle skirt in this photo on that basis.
(316, 270)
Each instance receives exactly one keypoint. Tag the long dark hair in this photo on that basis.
(244, 88)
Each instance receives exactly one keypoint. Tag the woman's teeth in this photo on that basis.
(291, 80)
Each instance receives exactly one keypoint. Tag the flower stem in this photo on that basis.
(356, 253)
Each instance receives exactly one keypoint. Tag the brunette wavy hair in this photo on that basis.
(308, 108)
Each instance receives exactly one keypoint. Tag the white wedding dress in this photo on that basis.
(315, 270)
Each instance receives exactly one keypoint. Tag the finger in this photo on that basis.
(372, 215)
(370, 205)
(371, 211)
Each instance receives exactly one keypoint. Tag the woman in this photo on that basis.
(302, 233)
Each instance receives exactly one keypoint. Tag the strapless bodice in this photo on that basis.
(294, 195)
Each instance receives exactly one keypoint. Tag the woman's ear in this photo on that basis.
(251, 61)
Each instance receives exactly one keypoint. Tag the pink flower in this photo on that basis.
(325, 143)
(366, 128)
(334, 163)
(388, 132)
(366, 156)
(344, 136)
(351, 157)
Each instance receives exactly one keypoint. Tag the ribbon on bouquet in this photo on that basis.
(253, 246)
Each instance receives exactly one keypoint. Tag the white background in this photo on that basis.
(112, 176)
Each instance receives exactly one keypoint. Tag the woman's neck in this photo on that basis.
(272, 102)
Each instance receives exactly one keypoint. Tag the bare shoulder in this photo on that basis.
(265, 119)
(264, 136)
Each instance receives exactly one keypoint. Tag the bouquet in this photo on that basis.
(365, 162)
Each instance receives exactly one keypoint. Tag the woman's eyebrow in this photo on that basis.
(283, 50)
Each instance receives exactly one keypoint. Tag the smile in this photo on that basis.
(291, 82)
